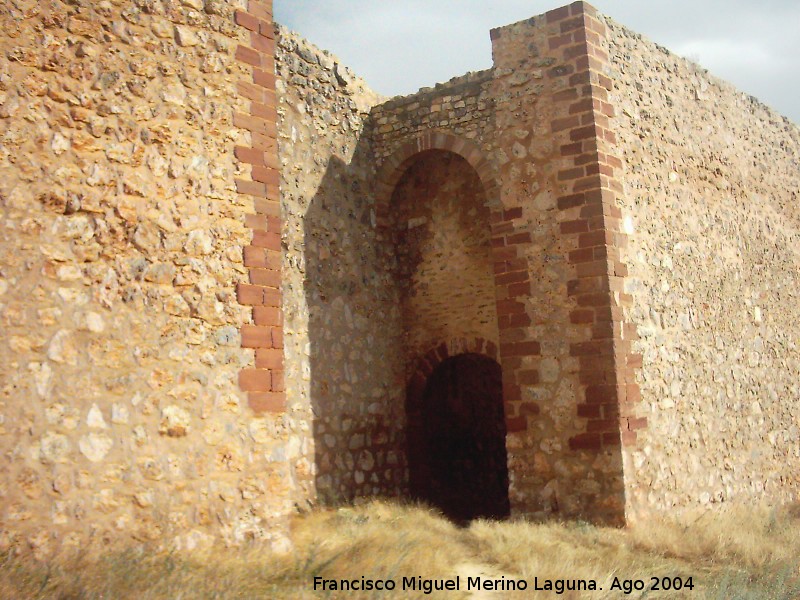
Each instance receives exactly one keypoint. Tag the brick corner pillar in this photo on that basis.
(589, 213)
(263, 381)
(558, 247)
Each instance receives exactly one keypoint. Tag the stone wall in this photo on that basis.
(121, 247)
(559, 343)
(538, 138)
(613, 285)
(712, 192)
(342, 319)
(443, 253)
(225, 263)
(463, 107)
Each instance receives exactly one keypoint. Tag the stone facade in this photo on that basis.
(228, 269)
(121, 413)
(342, 378)
(711, 200)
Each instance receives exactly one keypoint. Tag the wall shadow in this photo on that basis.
(355, 338)
(372, 305)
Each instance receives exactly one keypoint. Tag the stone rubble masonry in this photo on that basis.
(137, 174)
(442, 243)
(564, 207)
(561, 350)
(711, 185)
(225, 264)
(535, 130)
(342, 329)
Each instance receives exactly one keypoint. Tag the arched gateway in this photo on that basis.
(438, 222)
(457, 439)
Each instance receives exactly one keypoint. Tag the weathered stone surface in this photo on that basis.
(710, 196)
(444, 269)
(95, 418)
(175, 421)
(342, 364)
(55, 448)
(186, 36)
(141, 232)
(121, 248)
(95, 446)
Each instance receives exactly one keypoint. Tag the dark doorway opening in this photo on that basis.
(457, 440)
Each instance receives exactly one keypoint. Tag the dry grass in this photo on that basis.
(734, 554)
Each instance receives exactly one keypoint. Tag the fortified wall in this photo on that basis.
(711, 196)
(235, 282)
(138, 177)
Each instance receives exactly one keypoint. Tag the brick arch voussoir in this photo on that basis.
(393, 167)
(436, 355)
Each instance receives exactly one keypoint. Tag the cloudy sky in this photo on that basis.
(398, 46)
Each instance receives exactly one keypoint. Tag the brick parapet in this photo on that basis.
(263, 382)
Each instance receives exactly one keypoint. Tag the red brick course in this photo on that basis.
(588, 179)
(265, 382)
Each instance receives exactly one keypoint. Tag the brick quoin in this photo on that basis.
(263, 381)
(590, 221)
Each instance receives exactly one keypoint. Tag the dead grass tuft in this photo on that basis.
(748, 537)
(735, 553)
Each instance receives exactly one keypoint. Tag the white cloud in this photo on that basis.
(724, 55)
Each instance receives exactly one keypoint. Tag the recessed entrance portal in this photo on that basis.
(457, 440)
(440, 224)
